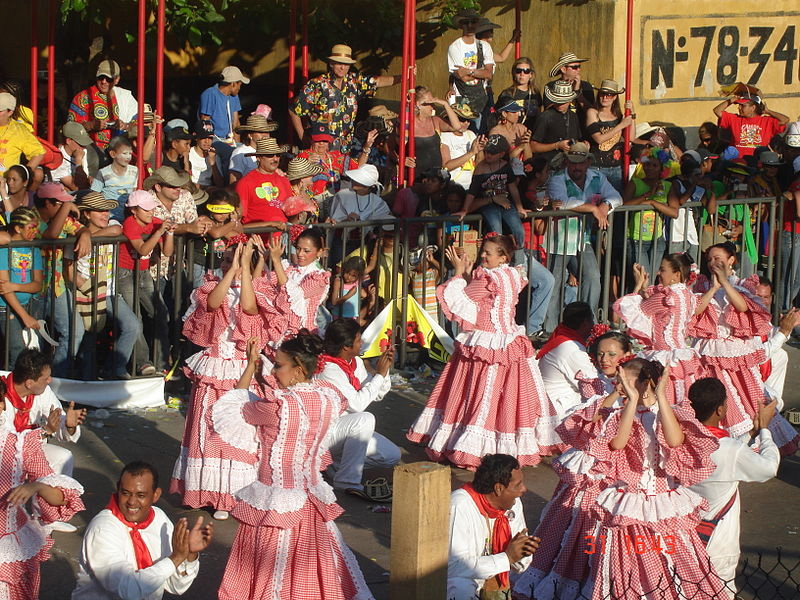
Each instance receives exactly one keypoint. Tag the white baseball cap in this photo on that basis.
(234, 74)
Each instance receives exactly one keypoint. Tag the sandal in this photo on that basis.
(376, 490)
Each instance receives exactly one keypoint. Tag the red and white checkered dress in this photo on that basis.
(25, 542)
(287, 546)
(661, 322)
(283, 310)
(490, 397)
(730, 349)
(641, 519)
(208, 471)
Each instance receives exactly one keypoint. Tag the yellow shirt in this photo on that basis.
(16, 140)
(384, 267)
(26, 117)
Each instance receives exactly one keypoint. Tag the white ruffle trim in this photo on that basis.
(23, 544)
(671, 356)
(677, 503)
(229, 422)
(475, 440)
(458, 302)
(728, 347)
(578, 462)
(362, 591)
(489, 339)
(535, 583)
(283, 500)
(61, 481)
(213, 474)
(222, 369)
(782, 431)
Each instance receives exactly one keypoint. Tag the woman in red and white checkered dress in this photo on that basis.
(638, 538)
(25, 473)
(659, 317)
(727, 331)
(287, 299)
(490, 398)
(287, 546)
(208, 471)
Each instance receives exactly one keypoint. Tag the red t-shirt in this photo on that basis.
(791, 220)
(133, 231)
(262, 196)
(750, 133)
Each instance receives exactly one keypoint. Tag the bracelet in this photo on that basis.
(633, 115)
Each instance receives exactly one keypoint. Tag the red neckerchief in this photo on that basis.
(22, 417)
(717, 432)
(766, 366)
(501, 535)
(143, 559)
(561, 334)
(349, 368)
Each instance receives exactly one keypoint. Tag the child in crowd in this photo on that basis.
(424, 279)
(349, 297)
(222, 208)
(139, 223)
(120, 177)
(20, 279)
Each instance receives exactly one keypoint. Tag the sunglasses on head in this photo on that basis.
(574, 67)
(105, 78)
(521, 70)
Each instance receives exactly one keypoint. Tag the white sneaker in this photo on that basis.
(221, 515)
(63, 527)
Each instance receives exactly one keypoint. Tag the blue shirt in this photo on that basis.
(220, 108)
(20, 265)
(116, 187)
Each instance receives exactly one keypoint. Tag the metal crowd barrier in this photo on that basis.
(345, 238)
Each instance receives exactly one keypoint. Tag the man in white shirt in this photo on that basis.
(564, 355)
(352, 440)
(130, 550)
(777, 359)
(488, 535)
(73, 172)
(736, 461)
(470, 63)
(577, 188)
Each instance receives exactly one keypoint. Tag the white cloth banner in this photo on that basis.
(132, 393)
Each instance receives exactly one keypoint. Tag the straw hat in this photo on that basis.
(268, 146)
(258, 123)
(643, 129)
(381, 111)
(166, 176)
(561, 92)
(96, 201)
(579, 152)
(610, 87)
(342, 53)
(793, 135)
(563, 61)
(301, 167)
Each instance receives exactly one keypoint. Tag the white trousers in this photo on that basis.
(354, 445)
(776, 380)
(60, 459)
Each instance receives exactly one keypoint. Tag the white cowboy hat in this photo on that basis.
(366, 175)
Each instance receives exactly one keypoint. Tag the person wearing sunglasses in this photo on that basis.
(523, 91)
(570, 68)
(96, 107)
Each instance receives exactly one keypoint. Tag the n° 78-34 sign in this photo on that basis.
(689, 58)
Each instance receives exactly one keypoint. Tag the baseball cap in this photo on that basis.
(109, 68)
(142, 199)
(54, 190)
(320, 133)
(746, 99)
(76, 131)
(232, 74)
(203, 130)
(511, 106)
(178, 133)
(7, 101)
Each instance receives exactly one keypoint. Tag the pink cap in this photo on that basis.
(142, 199)
(294, 205)
(54, 190)
(265, 110)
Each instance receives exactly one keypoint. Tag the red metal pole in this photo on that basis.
(518, 27)
(304, 63)
(51, 73)
(292, 58)
(412, 84)
(159, 77)
(140, 90)
(626, 160)
(403, 125)
(35, 64)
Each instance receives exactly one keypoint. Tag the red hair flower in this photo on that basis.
(295, 231)
(597, 330)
